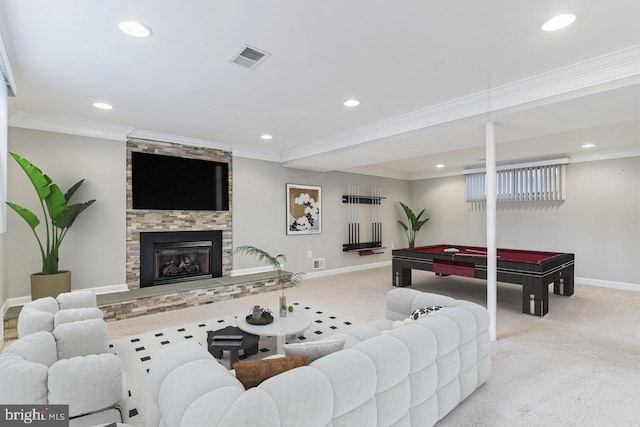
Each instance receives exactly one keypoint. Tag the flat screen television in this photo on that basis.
(176, 183)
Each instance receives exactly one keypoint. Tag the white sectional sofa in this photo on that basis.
(70, 365)
(411, 376)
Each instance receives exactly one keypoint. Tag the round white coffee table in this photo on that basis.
(293, 323)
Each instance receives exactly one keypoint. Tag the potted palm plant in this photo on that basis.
(276, 262)
(414, 224)
(58, 216)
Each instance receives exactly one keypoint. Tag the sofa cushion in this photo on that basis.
(32, 320)
(76, 299)
(81, 338)
(195, 386)
(314, 350)
(47, 304)
(86, 383)
(253, 372)
(352, 376)
(77, 314)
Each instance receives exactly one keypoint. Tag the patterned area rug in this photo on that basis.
(137, 352)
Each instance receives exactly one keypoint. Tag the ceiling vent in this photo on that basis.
(249, 57)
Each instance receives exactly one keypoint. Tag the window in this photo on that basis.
(524, 184)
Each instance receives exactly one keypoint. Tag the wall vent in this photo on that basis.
(249, 57)
(318, 264)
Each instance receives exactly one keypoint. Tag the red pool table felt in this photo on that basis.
(478, 251)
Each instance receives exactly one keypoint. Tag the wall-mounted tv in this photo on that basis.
(176, 183)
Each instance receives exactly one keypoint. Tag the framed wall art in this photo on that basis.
(304, 209)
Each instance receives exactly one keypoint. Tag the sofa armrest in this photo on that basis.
(39, 347)
(22, 382)
(87, 383)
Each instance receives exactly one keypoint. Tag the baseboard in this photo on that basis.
(12, 302)
(350, 269)
(313, 274)
(608, 284)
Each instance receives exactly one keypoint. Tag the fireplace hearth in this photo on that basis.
(176, 256)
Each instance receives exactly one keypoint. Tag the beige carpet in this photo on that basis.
(577, 366)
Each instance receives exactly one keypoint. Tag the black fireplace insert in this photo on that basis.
(175, 256)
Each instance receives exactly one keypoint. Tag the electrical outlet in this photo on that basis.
(309, 254)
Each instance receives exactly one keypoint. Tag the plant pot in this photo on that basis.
(50, 285)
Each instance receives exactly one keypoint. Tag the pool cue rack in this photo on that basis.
(353, 199)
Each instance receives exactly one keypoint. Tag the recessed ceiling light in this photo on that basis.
(439, 165)
(351, 103)
(558, 22)
(266, 136)
(102, 105)
(135, 29)
(589, 145)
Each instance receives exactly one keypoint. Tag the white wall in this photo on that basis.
(259, 214)
(94, 248)
(599, 221)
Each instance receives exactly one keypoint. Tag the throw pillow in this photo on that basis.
(253, 372)
(314, 350)
(424, 311)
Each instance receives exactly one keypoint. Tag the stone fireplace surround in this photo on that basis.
(141, 301)
(144, 220)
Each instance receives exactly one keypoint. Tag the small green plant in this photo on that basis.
(276, 262)
(59, 216)
(414, 224)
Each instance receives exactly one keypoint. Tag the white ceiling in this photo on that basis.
(428, 73)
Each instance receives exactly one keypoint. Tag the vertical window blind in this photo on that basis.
(526, 184)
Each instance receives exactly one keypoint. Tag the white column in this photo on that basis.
(491, 228)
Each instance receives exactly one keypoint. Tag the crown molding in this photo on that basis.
(44, 122)
(591, 74)
(431, 175)
(178, 139)
(240, 150)
(594, 157)
(382, 173)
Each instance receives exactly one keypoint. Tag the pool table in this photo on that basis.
(534, 270)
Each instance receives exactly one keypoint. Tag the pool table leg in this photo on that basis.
(535, 296)
(401, 277)
(566, 288)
